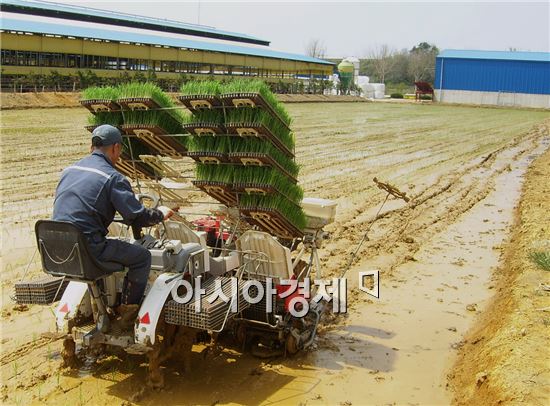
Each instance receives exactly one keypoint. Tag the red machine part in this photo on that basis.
(211, 224)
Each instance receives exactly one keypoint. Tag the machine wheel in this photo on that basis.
(68, 353)
(291, 344)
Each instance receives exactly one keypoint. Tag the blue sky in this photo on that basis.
(353, 28)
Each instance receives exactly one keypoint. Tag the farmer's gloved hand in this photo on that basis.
(166, 211)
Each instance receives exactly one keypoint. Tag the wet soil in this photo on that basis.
(437, 256)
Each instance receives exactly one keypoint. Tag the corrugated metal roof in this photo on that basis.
(501, 55)
(38, 27)
(66, 11)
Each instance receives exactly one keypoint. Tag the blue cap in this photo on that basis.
(108, 134)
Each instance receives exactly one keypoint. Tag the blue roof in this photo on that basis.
(57, 10)
(38, 27)
(499, 55)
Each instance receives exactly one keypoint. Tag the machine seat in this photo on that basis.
(64, 252)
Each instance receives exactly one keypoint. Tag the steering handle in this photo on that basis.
(153, 198)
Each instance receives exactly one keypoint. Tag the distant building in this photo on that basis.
(40, 37)
(493, 77)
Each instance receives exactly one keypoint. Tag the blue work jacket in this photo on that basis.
(91, 191)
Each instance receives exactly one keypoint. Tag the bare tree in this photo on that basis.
(420, 66)
(382, 60)
(422, 62)
(316, 48)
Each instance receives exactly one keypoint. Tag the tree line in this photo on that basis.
(395, 68)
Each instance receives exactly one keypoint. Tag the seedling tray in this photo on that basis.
(207, 157)
(41, 291)
(91, 128)
(168, 196)
(254, 188)
(156, 139)
(237, 100)
(195, 102)
(212, 315)
(271, 221)
(258, 159)
(220, 191)
(203, 128)
(138, 103)
(126, 167)
(257, 130)
(100, 105)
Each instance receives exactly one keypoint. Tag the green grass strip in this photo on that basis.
(255, 145)
(258, 86)
(259, 117)
(269, 177)
(146, 90)
(100, 92)
(105, 117)
(214, 173)
(157, 118)
(213, 117)
(209, 144)
(201, 87)
(294, 214)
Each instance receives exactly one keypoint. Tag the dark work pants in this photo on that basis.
(135, 257)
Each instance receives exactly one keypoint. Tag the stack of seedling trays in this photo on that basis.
(99, 101)
(151, 115)
(248, 162)
(212, 315)
(41, 291)
(146, 115)
(208, 145)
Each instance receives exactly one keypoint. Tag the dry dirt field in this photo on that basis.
(439, 258)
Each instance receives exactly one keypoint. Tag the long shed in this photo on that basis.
(493, 77)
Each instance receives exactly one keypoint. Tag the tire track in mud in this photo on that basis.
(29, 347)
(430, 211)
(450, 193)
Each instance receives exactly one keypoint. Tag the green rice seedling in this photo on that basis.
(147, 90)
(213, 117)
(152, 91)
(269, 177)
(157, 118)
(541, 259)
(105, 117)
(257, 117)
(100, 92)
(255, 145)
(201, 87)
(209, 144)
(258, 86)
(214, 173)
(289, 210)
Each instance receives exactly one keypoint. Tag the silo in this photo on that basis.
(356, 64)
(346, 71)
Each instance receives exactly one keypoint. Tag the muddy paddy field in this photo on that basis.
(447, 260)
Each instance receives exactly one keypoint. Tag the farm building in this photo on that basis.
(493, 77)
(40, 37)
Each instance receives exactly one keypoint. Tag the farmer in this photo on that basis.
(88, 195)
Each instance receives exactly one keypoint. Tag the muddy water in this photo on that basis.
(397, 349)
